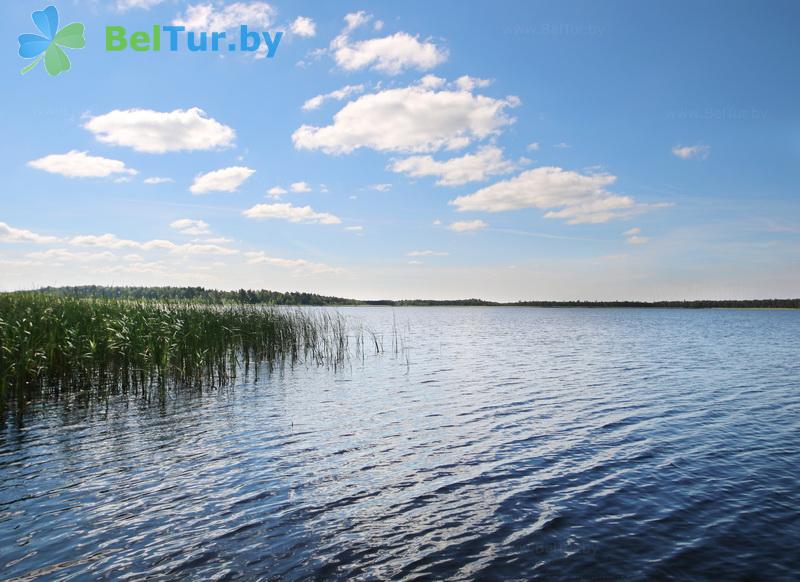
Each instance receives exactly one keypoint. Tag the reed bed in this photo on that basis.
(54, 345)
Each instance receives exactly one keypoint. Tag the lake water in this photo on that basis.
(494, 443)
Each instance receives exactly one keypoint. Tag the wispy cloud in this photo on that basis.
(467, 226)
(699, 152)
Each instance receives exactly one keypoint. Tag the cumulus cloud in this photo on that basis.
(699, 152)
(427, 253)
(298, 265)
(208, 17)
(338, 95)
(158, 180)
(224, 180)
(411, 119)
(488, 161)
(112, 241)
(190, 227)
(157, 132)
(299, 187)
(390, 54)
(467, 83)
(51, 255)
(467, 225)
(572, 196)
(432, 82)
(355, 20)
(285, 211)
(9, 234)
(75, 164)
(303, 26)
(276, 192)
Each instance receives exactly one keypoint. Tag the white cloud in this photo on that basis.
(190, 227)
(75, 164)
(468, 226)
(378, 26)
(9, 234)
(208, 17)
(304, 26)
(437, 222)
(488, 161)
(380, 187)
(111, 241)
(699, 152)
(562, 145)
(203, 249)
(354, 228)
(298, 265)
(299, 187)
(533, 147)
(285, 211)
(224, 180)
(157, 132)
(220, 240)
(577, 198)
(411, 119)
(633, 236)
(432, 82)
(427, 253)
(338, 95)
(390, 54)
(66, 255)
(276, 192)
(123, 5)
(158, 180)
(467, 83)
(355, 20)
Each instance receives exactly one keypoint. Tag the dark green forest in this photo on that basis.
(265, 297)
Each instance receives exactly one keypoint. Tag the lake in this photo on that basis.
(484, 443)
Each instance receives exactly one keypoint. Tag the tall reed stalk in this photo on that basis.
(51, 345)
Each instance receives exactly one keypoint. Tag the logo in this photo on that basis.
(48, 47)
(249, 41)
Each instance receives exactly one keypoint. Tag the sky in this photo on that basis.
(511, 150)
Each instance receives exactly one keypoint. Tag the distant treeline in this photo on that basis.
(262, 296)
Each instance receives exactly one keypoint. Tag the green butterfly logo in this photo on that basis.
(48, 47)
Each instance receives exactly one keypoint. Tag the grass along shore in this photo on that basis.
(50, 345)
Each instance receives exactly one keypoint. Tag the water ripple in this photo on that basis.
(497, 444)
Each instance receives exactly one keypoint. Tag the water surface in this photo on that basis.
(492, 443)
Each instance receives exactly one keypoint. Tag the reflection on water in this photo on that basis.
(496, 443)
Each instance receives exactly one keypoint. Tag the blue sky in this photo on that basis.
(513, 150)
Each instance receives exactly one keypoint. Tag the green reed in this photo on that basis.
(52, 345)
